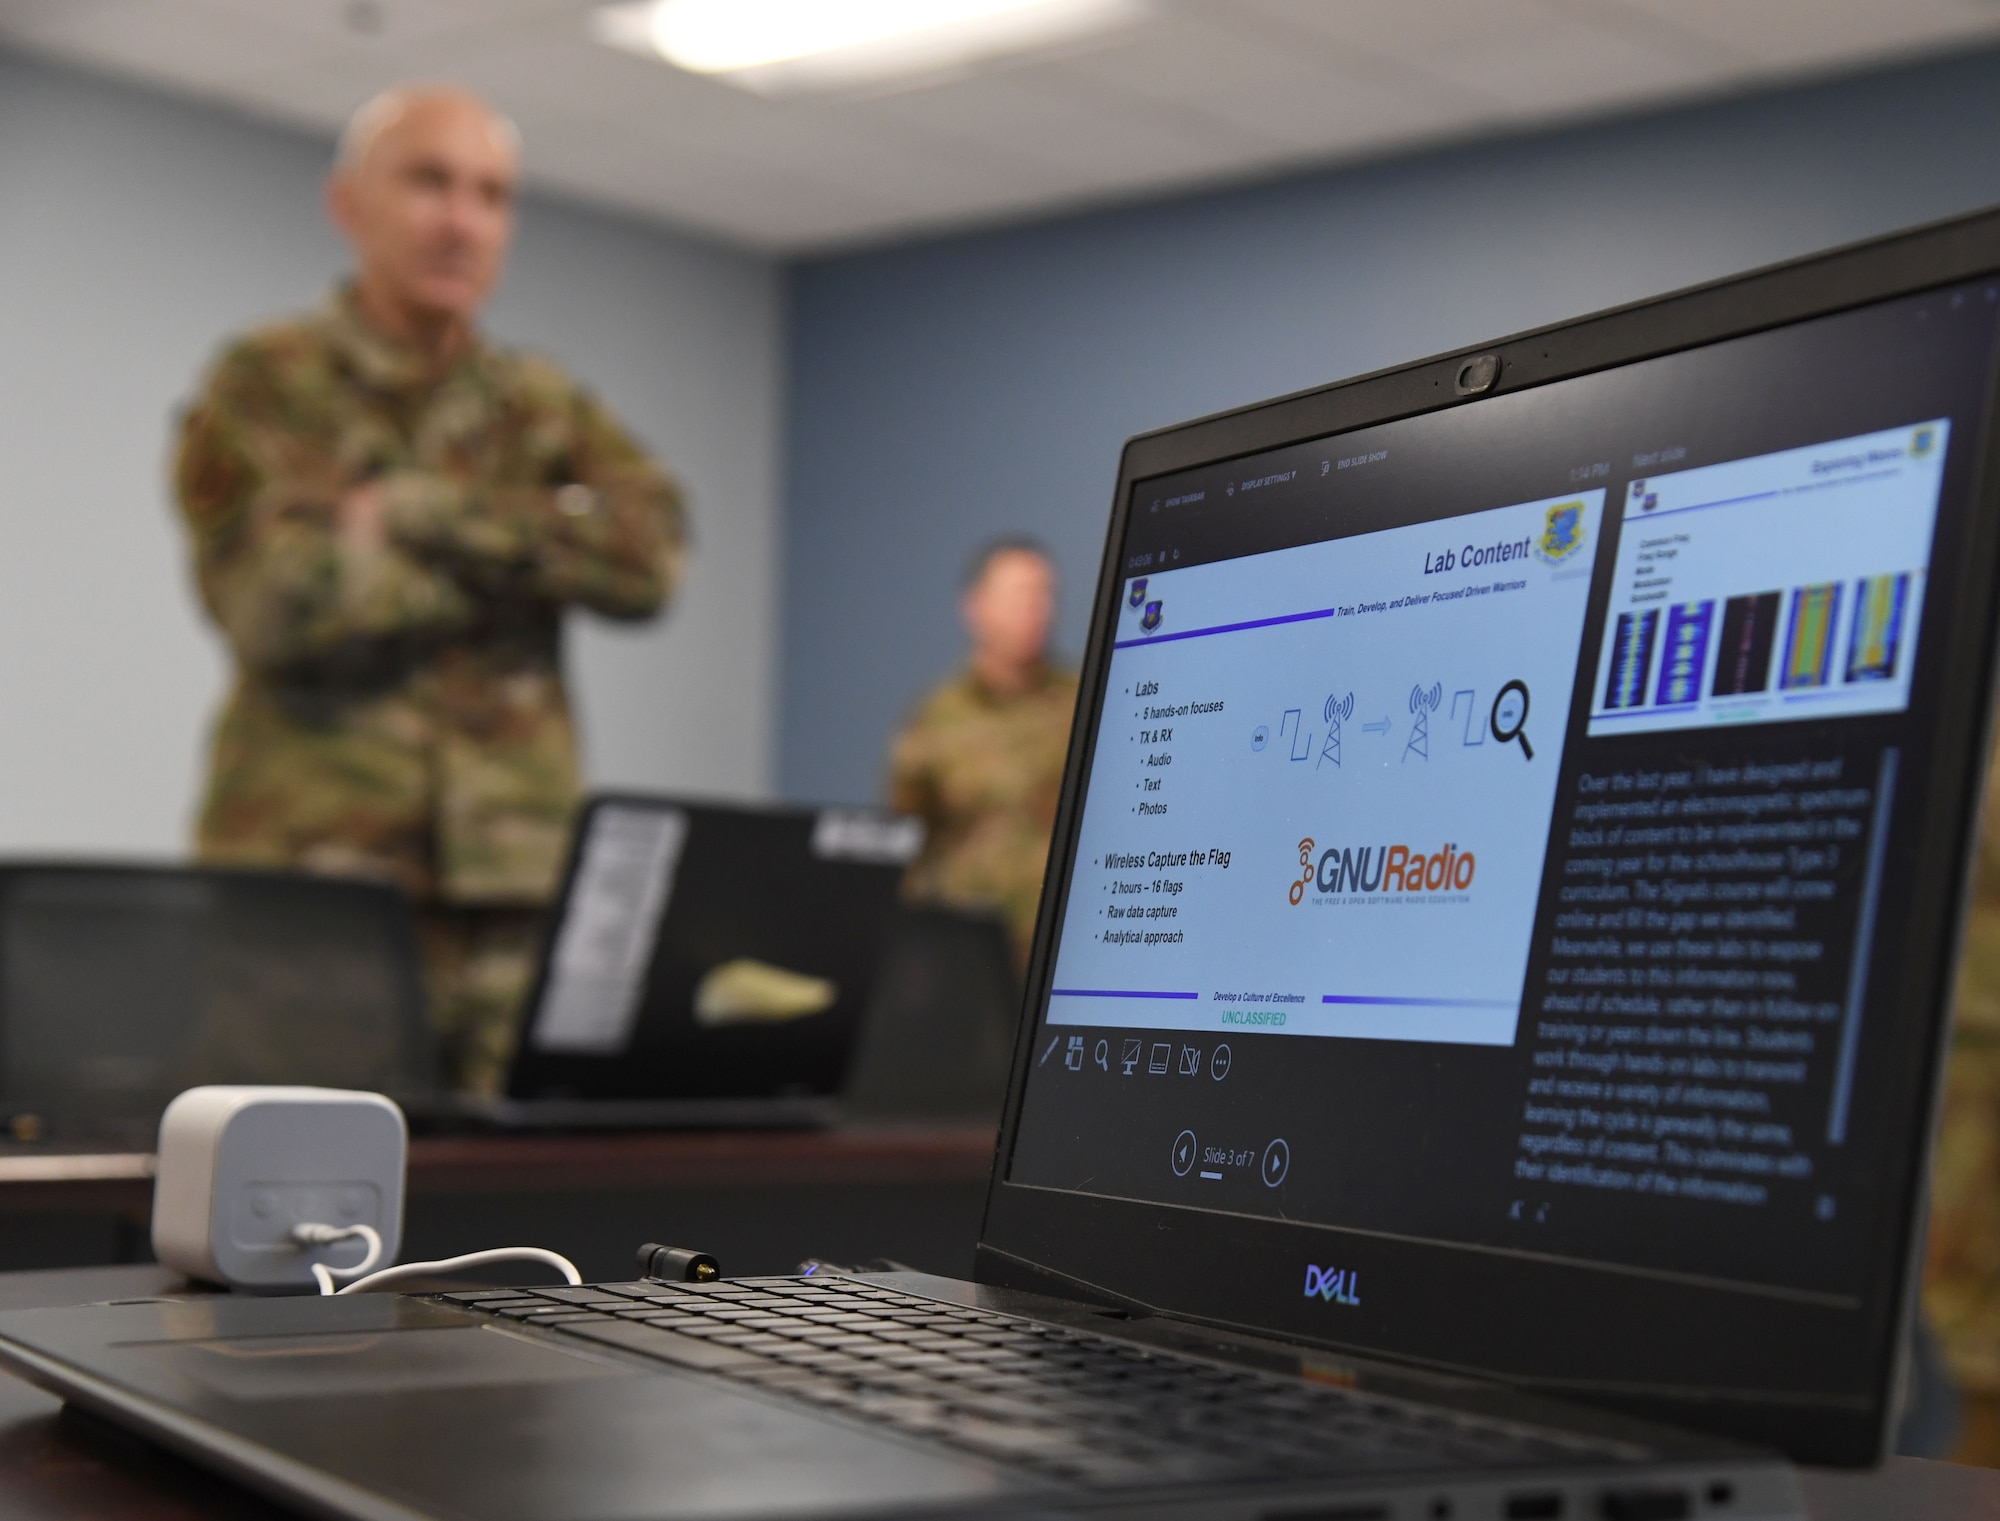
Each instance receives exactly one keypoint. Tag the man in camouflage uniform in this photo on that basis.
(1962, 1272)
(981, 763)
(389, 518)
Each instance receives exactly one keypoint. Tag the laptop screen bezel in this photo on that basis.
(1188, 1262)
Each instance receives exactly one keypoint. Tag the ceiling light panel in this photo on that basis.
(777, 47)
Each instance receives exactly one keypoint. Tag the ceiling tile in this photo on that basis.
(1557, 70)
(1387, 29)
(1291, 92)
(1787, 35)
(195, 44)
(1067, 127)
(1205, 91)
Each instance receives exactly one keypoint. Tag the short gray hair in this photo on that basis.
(379, 113)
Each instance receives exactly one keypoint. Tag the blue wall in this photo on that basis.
(947, 391)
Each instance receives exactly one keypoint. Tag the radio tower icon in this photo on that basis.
(1337, 710)
(1422, 705)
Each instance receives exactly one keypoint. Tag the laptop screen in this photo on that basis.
(1496, 820)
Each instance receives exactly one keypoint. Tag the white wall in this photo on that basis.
(135, 232)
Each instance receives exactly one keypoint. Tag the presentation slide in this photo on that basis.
(1323, 782)
(1782, 587)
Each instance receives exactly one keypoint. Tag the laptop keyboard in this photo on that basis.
(1085, 1408)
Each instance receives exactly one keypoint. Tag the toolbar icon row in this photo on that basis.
(1160, 1059)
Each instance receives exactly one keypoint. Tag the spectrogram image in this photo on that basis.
(1743, 660)
(1683, 653)
(1878, 627)
(1809, 637)
(1631, 659)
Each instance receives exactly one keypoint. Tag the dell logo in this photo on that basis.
(1335, 1285)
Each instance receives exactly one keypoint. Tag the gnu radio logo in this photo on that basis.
(1359, 870)
(1334, 1285)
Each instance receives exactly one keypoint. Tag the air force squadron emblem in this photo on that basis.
(1151, 620)
(1138, 592)
(1562, 532)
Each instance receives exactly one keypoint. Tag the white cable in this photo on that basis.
(389, 1275)
(314, 1234)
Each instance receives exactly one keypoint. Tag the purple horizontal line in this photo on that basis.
(1644, 712)
(1759, 496)
(1728, 501)
(1227, 628)
(1112, 993)
(1423, 1003)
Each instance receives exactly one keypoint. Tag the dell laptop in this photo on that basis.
(707, 964)
(1480, 1044)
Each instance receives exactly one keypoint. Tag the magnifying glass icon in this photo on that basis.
(1103, 1054)
(1510, 715)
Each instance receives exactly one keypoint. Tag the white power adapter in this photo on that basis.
(279, 1188)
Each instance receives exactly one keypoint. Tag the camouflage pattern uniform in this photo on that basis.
(1962, 1272)
(983, 772)
(400, 713)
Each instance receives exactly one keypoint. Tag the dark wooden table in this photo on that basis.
(762, 1201)
(56, 1465)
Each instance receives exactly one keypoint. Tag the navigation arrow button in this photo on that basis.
(1277, 1162)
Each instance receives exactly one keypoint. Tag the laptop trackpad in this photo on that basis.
(296, 1367)
(479, 1421)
